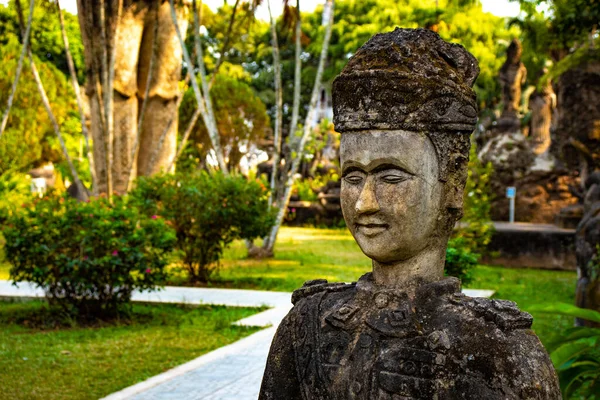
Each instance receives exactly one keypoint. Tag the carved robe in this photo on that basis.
(362, 341)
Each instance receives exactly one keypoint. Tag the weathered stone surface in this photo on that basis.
(586, 241)
(542, 188)
(403, 331)
(365, 341)
(577, 136)
(414, 76)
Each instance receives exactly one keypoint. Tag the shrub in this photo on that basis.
(476, 227)
(88, 257)
(14, 191)
(460, 260)
(207, 212)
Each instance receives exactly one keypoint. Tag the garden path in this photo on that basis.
(231, 372)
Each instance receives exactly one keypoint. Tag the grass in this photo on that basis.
(41, 361)
(302, 254)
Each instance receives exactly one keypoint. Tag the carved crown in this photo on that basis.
(408, 79)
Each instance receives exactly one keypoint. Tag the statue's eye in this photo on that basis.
(394, 177)
(354, 178)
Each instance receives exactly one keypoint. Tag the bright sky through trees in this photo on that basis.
(501, 8)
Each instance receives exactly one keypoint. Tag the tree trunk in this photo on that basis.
(297, 72)
(136, 144)
(299, 150)
(77, 90)
(137, 49)
(13, 90)
(278, 108)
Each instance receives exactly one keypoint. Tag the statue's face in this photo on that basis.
(390, 192)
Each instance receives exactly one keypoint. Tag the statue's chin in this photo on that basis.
(391, 251)
(384, 254)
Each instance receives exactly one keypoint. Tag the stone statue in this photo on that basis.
(587, 238)
(512, 76)
(133, 53)
(577, 139)
(542, 104)
(405, 109)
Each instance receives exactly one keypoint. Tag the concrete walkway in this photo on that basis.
(231, 372)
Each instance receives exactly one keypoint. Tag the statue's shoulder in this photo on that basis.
(505, 314)
(311, 288)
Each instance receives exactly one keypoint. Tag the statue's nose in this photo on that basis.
(367, 201)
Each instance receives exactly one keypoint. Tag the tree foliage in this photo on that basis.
(555, 30)
(29, 139)
(241, 117)
(46, 41)
(464, 22)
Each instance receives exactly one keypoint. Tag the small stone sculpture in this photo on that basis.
(512, 76)
(542, 104)
(405, 108)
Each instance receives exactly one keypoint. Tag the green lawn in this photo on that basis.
(45, 362)
(302, 254)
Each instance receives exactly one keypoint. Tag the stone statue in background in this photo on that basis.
(405, 108)
(587, 238)
(512, 77)
(133, 53)
(577, 140)
(542, 104)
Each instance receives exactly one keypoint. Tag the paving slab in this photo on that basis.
(175, 294)
(189, 295)
(231, 372)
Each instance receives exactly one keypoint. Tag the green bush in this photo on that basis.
(476, 227)
(14, 191)
(207, 212)
(88, 257)
(304, 188)
(460, 260)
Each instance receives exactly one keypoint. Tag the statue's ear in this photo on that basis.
(454, 199)
(458, 166)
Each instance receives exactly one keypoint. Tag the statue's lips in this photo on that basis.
(371, 229)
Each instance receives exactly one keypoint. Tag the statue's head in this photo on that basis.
(514, 51)
(405, 107)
